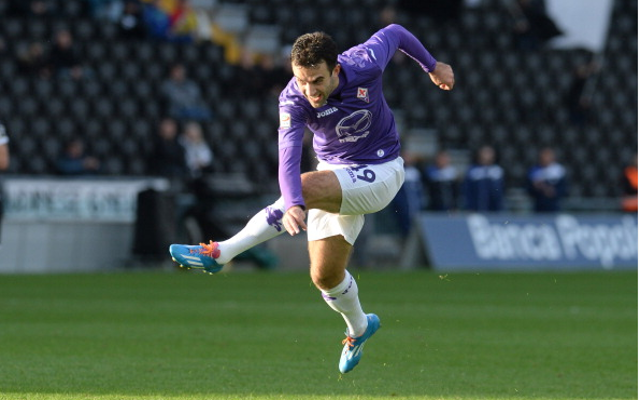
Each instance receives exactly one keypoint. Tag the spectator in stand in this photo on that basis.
(64, 59)
(630, 186)
(546, 182)
(198, 154)
(483, 185)
(168, 155)
(4, 160)
(533, 27)
(183, 97)
(183, 22)
(442, 182)
(410, 199)
(3, 46)
(579, 102)
(438, 10)
(156, 20)
(74, 161)
(275, 75)
(32, 8)
(106, 9)
(247, 77)
(33, 61)
(131, 22)
(258, 75)
(388, 15)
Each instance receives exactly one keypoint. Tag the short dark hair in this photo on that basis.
(311, 49)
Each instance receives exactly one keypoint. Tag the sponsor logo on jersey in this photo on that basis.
(363, 94)
(354, 127)
(285, 120)
(326, 112)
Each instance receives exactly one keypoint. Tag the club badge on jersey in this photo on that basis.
(363, 94)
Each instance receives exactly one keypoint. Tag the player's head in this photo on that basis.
(311, 49)
(314, 61)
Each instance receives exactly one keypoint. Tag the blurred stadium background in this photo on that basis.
(511, 98)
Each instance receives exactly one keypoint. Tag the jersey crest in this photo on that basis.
(363, 94)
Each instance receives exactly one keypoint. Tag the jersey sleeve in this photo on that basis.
(384, 43)
(290, 136)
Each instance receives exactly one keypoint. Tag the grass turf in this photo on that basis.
(261, 336)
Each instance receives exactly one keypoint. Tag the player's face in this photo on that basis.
(316, 83)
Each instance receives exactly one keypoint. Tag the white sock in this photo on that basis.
(263, 226)
(344, 299)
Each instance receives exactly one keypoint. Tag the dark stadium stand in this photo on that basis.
(511, 99)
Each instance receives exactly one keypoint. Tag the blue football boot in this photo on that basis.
(352, 350)
(200, 256)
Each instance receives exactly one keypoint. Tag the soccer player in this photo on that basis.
(339, 98)
(4, 160)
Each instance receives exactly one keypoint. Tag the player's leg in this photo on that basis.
(320, 189)
(365, 189)
(263, 226)
(329, 258)
(330, 247)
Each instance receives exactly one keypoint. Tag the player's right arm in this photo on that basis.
(290, 137)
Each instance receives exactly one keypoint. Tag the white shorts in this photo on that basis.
(365, 189)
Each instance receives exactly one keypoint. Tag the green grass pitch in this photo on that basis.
(172, 335)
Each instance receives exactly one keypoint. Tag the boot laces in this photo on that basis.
(349, 340)
(209, 250)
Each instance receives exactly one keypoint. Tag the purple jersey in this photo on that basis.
(356, 126)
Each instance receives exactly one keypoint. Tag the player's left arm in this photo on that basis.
(397, 36)
(442, 76)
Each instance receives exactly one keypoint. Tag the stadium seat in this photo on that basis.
(226, 110)
(13, 28)
(18, 87)
(106, 71)
(6, 105)
(502, 95)
(113, 166)
(51, 147)
(106, 32)
(54, 107)
(92, 128)
(37, 165)
(89, 89)
(79, 108)
(83, 30)
(104, 108)
(67, 88)
(130, 72)
(28, 107)
(93, 53)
